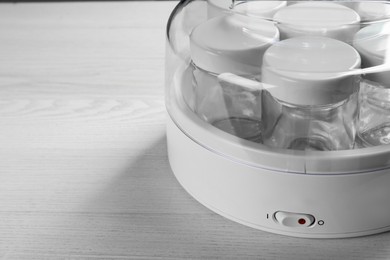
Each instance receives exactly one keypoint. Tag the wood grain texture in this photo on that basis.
(83, 165)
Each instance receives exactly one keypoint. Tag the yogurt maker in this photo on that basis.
(279, 113)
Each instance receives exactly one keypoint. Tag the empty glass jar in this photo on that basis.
(319, 128)
(374, 125)
(220, 45)
(316, 106)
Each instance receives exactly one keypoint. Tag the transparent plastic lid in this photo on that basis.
(293, 86)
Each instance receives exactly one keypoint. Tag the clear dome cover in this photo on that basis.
(291, 86)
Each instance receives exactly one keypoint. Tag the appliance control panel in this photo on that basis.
(290, 219)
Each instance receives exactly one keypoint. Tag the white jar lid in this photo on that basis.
(317, 14)
(318, 18)
(232, 43)
(373, 41)
(261, 9)
(348, 3)
(264, 9)
(372, 11)
(306, 70)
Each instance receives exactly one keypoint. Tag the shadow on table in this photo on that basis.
(147, 213)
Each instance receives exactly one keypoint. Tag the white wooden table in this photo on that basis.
(83, 164)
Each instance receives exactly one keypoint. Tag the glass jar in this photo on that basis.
(372, 43)
(319, 128)
(220, 45)
(315, 104)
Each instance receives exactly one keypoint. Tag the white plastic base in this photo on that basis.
(343, 205)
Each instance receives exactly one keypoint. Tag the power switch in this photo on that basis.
(290, 219)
